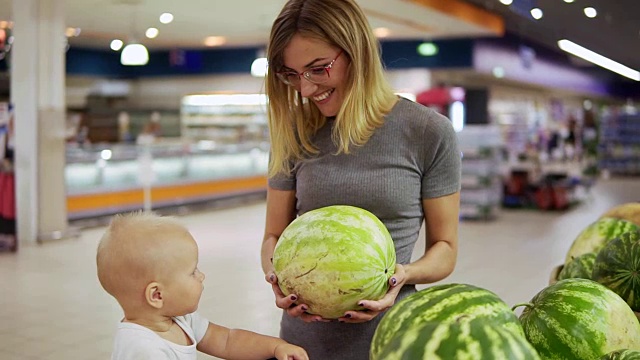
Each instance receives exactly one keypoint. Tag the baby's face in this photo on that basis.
(184, 283)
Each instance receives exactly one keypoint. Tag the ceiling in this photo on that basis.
(614, 32)
(242, 22)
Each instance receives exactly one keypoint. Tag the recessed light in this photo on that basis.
(166, 18)
(152, 32)
(536, 13)
(72, 32)
(381, 32)
(590, 12)
(506, 2)
(116, 44)
(568, 1)
(214, 40)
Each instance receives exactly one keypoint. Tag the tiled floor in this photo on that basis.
(52, 307)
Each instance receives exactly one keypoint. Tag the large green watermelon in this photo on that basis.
(333, 257)
(463, 338)
(617, 267)
(622, 355)
(580, 267)
(597, 234)
(442, 303)
(579, 319)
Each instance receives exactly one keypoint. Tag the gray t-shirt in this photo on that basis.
(413, 156)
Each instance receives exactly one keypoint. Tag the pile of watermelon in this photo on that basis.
(608, 251)
(335, 256)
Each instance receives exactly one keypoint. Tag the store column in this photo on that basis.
(38, 94)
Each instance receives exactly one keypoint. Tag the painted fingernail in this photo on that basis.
(393, 281)
(304, 308)
(294, 298)
(348, 316)
(360, 303)
(272, 277)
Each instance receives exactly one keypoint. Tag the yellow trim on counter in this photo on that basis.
(134, 197)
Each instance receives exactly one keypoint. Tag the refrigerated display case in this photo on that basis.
(222, 153)
(107, 179)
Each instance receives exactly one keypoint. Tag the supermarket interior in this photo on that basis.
(549, 135)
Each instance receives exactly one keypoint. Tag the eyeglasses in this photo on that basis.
(316, 74)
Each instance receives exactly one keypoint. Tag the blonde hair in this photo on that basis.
(131, 251)
(292, 122)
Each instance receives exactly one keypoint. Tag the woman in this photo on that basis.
(339, 135)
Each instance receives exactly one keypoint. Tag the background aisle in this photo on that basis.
(52, 306)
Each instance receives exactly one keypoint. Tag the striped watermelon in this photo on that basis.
(579, 319)
(622, 355)
(580, 267)
(442, 303)
(617, 267)
(597, 234)
(333, 257)
(463, 338)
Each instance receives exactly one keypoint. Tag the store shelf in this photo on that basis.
(227, 118)
(619, 145)
(480, 179)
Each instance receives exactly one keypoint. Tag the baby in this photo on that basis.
(149, 264)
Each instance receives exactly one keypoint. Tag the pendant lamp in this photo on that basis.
(134, 54)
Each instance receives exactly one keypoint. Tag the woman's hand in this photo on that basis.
(375, 307)
(288, 302)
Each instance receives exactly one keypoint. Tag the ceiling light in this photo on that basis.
(568, 1)
(498, 72)
(151, 33)
(536, 13)
(381, 32)
(259, 67)
(214, 40)
(584, 53)
(116, 44)
(72, 32)
(506, 2)
(590, 12)
(166, 18)
(134, 55)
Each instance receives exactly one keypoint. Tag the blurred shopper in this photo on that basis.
(339, 135)
(149, 264)
(8, 240)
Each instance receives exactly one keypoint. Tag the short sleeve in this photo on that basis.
(442, 158)
(198, 323)
(282, 181)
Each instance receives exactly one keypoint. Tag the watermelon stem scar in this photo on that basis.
(529, 305)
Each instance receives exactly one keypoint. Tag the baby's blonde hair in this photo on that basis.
(132, 252)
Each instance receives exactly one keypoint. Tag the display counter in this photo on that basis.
(107, 179)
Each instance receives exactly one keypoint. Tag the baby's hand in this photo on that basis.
(287, 351)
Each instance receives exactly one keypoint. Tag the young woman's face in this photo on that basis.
(304, 54)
